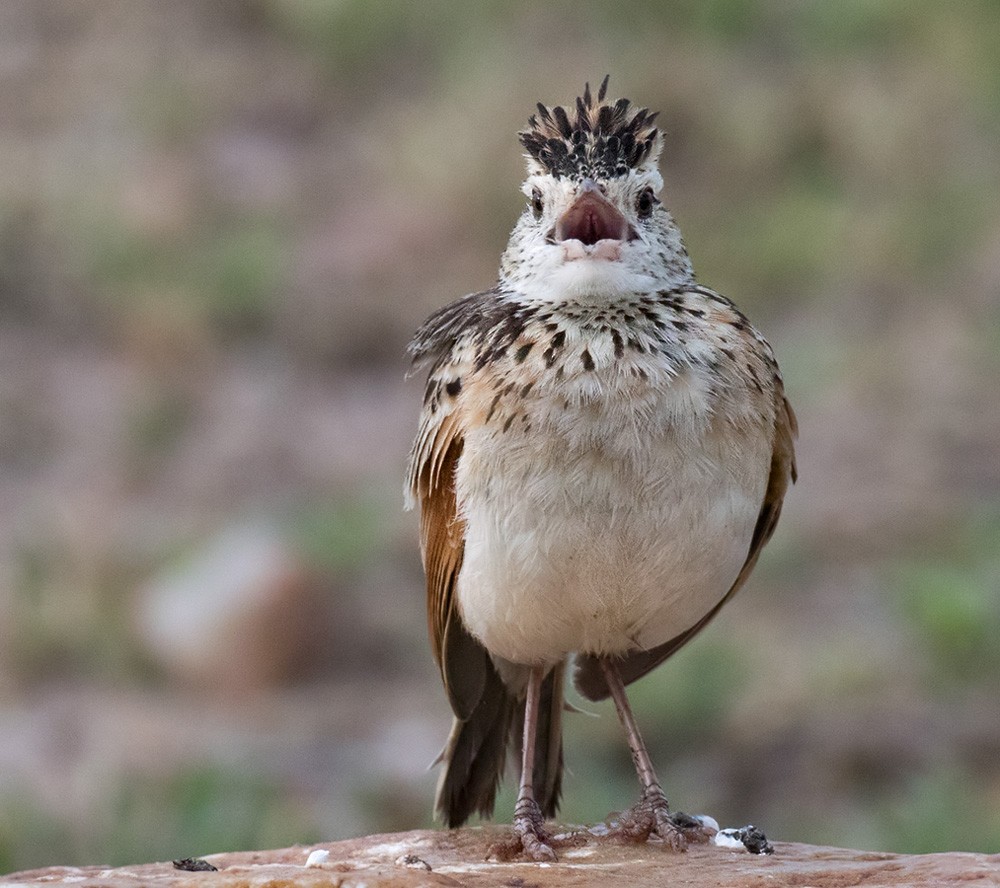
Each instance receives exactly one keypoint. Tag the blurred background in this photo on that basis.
(219, 224)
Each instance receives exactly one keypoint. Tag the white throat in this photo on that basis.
(578, 274)
(585, 279)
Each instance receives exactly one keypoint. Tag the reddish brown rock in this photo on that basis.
(458, 858)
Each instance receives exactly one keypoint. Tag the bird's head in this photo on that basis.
(593, 223)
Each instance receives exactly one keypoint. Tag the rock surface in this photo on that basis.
(459, 858)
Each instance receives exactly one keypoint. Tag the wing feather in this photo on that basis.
(437, 449)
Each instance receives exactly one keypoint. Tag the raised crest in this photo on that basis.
(596, 139)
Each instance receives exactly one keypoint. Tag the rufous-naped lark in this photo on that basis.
(603, 451)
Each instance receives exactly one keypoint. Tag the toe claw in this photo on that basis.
(529, 828)
(672, 836)
(692, 828)
(538, 850)
(651, 816)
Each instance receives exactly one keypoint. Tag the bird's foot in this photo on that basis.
(693, 830)
(651, 816)
(529, 827)
(530, 839)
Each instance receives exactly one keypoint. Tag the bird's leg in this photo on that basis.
(652, 813)
(528, 820)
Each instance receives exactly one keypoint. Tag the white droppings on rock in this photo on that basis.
(318, 857)
(727, 838)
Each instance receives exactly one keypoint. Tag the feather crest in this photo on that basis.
(595, 139)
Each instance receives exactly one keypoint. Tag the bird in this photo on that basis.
(603, 450)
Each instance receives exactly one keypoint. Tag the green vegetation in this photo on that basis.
(189, 813)
(340, 535)
(224, 274)
(951, 603)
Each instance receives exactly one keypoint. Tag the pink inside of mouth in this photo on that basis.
(609, 250)
(590, 220)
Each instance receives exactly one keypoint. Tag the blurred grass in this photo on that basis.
(340, 535)
(226, 273)
(936, 812)
(208, 810)
(950, 602)
(191, 813)
(71, 609)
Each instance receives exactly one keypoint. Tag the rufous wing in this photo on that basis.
(463, 661)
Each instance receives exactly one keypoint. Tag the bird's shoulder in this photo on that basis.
(493, 317)
(444, 344)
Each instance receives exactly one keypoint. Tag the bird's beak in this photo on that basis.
(592, 218)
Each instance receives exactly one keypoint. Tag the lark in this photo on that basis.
(603, 451)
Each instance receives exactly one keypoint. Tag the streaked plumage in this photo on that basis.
(603, 451)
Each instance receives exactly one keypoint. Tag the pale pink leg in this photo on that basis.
(652, 808)
(528, 821)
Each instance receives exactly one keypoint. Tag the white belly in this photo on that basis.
(602, 549)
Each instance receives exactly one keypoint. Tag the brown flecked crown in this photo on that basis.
(596, 140)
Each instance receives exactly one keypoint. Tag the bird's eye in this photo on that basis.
(536, 203)
(645, 202)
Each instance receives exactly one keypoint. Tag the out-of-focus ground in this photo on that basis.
(219, 224)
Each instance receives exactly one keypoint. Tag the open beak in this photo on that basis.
(592, 218)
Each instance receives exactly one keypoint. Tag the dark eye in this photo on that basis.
(536, 203)
(645, 202)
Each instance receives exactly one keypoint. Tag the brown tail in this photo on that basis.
(476, 752)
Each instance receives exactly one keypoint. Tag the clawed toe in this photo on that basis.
(635, 825)
(536, 848)
(691, 828)
(668, 831)
(650, 817)
(530, 836)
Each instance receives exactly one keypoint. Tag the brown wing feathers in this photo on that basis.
(476, 751)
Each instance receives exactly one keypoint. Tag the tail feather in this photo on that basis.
(474, 756)
(476, 752)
